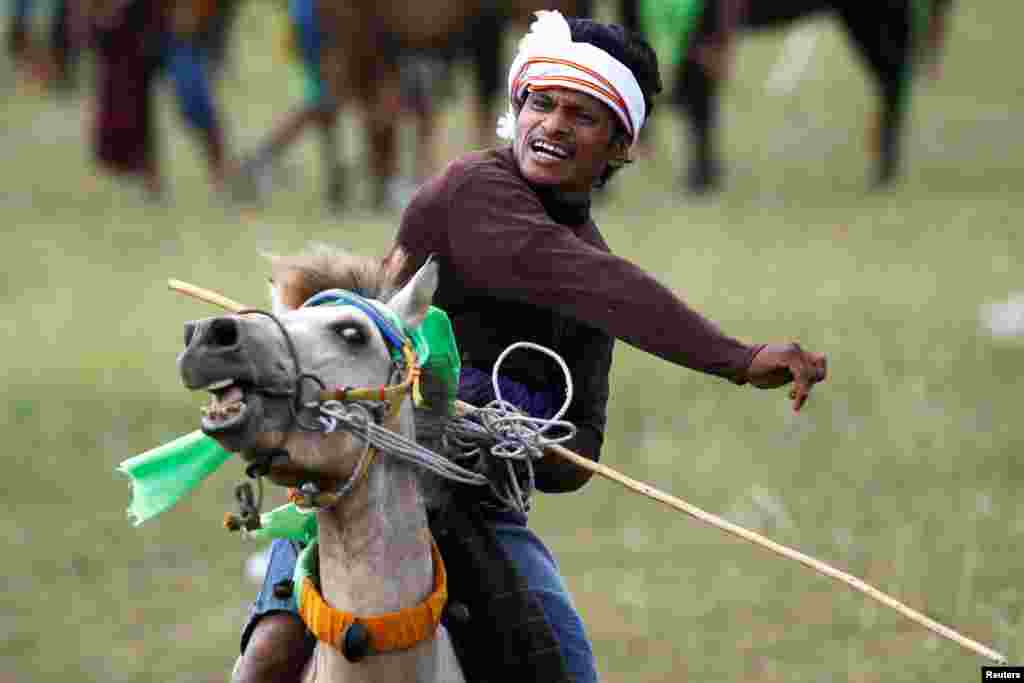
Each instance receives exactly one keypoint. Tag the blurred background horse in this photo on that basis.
(697, 38)
(360, 61)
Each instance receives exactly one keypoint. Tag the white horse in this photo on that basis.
(381, 578)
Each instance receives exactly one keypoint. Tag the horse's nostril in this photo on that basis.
(190, 332)
(222, 332)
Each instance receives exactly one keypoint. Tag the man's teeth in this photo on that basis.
(550, 150)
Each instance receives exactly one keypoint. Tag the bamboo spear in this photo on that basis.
(691, 510)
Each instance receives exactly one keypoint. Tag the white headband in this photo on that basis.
(548, 57)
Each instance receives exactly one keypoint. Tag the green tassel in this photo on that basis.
(164, 475)
(670, 25)
(288, 522)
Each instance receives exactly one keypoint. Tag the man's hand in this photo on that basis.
(777, 365)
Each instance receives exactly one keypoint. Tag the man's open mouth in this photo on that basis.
(550, 150)
(227, 408)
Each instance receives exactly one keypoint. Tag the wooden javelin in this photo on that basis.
(691, 510)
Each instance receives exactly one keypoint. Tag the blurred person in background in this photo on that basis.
(521, 259)
(54, 65)
(133, 41)
(125, 36)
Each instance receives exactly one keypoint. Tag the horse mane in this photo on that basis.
(322, 266)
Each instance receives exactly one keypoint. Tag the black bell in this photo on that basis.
(356, 643)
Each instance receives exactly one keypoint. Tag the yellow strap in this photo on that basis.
(392, 631)
(393, 394)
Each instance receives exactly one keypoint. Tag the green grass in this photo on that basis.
(903, 470)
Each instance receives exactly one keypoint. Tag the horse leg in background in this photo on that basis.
(320, 107)
(215, 38)
(330, 156)
(881, 32)
(383, 153)
(256, 167)
(485, 45)
(195, 99)
(696, 95)
(63, 52)
(383, 97)
(18, 29)
(424, 86)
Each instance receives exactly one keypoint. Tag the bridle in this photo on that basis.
(366, 400)
(392, 396)
(295, 405)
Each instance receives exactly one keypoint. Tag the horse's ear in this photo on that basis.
(277, 304)
(413, 300)
(275, 284)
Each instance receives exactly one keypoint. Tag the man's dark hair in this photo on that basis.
(627, 47)
(632, 50)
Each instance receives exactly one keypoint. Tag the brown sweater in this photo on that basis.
(517, 264)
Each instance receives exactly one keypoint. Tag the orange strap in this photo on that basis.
(392, 631)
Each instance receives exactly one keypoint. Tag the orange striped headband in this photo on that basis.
(548, 57)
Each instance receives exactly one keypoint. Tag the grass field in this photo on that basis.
(903, 469)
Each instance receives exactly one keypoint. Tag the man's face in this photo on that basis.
(564, 139)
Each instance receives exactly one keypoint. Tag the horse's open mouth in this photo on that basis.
(227, 409)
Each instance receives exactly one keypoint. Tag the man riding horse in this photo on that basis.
(520, 258)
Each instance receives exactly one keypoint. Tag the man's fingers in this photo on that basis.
(775, 367)
(801, 386)
(807, 370)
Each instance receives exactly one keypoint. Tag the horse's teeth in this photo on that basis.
(221, 384)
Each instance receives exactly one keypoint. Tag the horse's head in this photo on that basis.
(264, 372)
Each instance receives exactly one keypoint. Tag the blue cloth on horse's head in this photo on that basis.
(390, 330)
(476, 389)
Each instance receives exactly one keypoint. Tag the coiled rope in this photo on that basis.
(513, 439)
(496, 430)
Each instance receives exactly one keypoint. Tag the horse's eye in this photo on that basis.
(351, 333)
